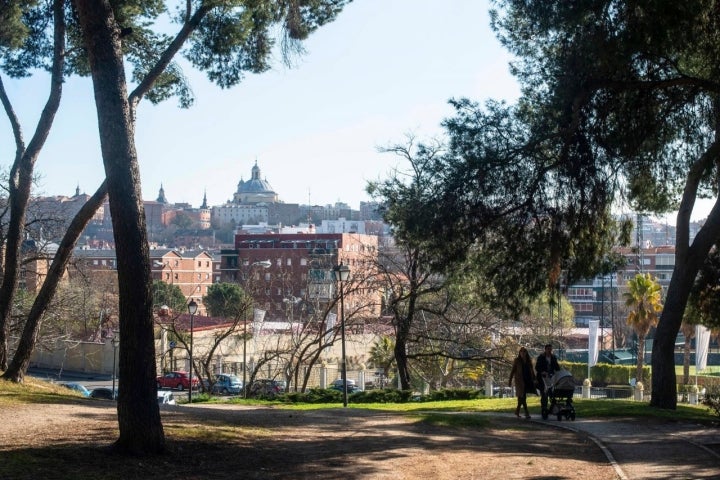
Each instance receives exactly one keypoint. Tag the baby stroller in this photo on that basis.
(559, 389)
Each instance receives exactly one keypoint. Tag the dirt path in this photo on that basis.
(268, 443)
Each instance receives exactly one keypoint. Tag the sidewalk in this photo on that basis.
(651, 448)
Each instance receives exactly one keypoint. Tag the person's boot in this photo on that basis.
(517, 412)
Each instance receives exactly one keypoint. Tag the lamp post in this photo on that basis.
(192, 309)
(160, 264)
(115, 343)
(341, 273)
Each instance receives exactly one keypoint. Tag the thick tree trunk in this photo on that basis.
(141, 430)
(688, 260)
(402, 361)
(18, 367)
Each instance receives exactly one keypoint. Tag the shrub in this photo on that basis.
(712, 400)
(452, 394)
(313, 395)
(387, 395)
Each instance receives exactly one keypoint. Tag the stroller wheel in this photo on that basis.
(544, 415)
(572, 416)
(559, 417)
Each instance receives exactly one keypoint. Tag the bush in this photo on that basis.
(313, 395)
(452, 394)
(712, 400)
(603, 374)
(387, 395)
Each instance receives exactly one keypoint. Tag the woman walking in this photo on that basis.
(524, 375)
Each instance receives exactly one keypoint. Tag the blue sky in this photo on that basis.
(384, 69)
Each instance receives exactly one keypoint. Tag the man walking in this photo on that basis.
(545, 366)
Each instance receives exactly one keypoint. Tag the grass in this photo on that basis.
(198, 448)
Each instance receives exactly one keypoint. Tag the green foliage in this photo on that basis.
(227, 300)
(712, 400)
(452, 394)
(387, 395)
(13, 31)
(705, 297)
(170, 295)
(314, 395)
(644, 297)
(382, 354)
(603, 374)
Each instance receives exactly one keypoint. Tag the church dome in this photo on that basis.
(255, 190)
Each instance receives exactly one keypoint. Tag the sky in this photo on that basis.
(384, 69)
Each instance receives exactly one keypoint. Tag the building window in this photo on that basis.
(289, 262)
(303, 261)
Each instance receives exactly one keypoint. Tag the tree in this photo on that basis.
(644, 297)
(405, 268)
(619, 107)
(21, 49)
(382, 355)
(226, 39)
(227, 300)
(168, 294)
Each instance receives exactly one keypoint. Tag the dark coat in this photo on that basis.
(543, 366)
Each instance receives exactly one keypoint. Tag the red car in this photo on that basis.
(179, 380)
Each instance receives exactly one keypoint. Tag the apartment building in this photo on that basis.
(290, 272)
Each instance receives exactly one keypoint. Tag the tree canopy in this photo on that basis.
(619, 108)
(227, 300)
(226, 39)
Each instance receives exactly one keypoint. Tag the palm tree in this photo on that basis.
(382, 355)
(644, 300)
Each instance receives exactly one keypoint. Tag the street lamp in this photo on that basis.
(192, 309)
(115, 343)
(341, 273)
(160, 264)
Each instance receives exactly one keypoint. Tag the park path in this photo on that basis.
(653, 449)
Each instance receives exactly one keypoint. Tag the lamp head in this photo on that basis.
(341, 273)
(192, 307)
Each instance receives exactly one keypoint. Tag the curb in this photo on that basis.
(608, 454)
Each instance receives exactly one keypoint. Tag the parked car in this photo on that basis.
(165, 398)
(338, 385)
(227, 385)
(104, 393)
(264, 388)
(78, 388)
(179, 380)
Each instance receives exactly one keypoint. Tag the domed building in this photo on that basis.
(255, 202)
(255, 190)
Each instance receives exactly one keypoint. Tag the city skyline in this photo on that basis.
(365, 82)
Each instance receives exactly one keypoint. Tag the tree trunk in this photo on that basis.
(18, 367)
(640, 358)
(686, 360)
(141, 430)
(21, 175)
(688, 260)
(402, 362)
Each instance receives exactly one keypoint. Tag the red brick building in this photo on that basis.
(286, 271)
